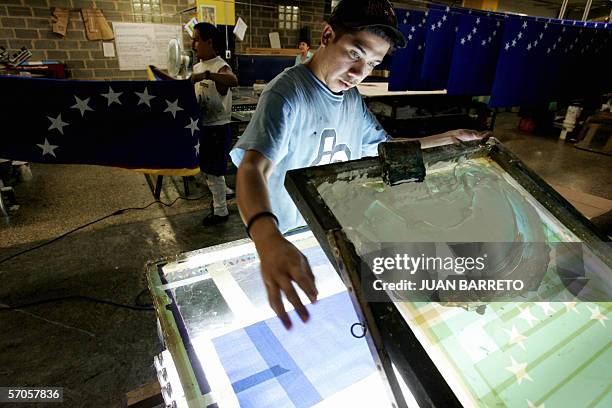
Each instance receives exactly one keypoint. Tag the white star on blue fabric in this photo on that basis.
(520, 35)
(507, 46)
(56, 123)
(48, 148)
(444, 17)
(112, 96)
(82, 105)
(193, 126)
(145, 97)
(197, 148)
(478, 20)
(524, 24)
(173, 107)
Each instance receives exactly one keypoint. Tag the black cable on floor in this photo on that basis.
(138, 302)
(82, 298)
(118, 212)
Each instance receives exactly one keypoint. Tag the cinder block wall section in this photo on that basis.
(262, 17)
(28, 23)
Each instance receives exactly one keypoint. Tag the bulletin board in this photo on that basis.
(141, 44)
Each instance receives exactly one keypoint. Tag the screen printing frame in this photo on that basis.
(195, 386)
(389, 337)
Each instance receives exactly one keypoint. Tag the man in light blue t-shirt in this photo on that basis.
(311, 114)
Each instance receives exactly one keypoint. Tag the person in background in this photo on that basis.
(213, 78)
(305, 54)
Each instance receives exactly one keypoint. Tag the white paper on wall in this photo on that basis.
(142, 44)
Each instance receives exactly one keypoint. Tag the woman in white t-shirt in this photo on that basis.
(213, 79)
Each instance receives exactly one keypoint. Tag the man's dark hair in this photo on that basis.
(208, 31)
(341, 30)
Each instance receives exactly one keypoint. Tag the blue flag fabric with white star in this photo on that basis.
(406, 62)
(144, 125)
(475, 55)
(518, 68)
(545, 59)
(439, 45)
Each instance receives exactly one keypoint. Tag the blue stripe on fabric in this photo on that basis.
(258, 378)
(297, 386)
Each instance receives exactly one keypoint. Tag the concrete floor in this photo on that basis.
(99, 352)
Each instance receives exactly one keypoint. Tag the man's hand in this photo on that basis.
(453, 136)
(280, 261)
(466, 135)
(281, 265)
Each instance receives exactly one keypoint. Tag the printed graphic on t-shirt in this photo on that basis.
(329, 151)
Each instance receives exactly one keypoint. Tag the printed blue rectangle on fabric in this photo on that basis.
(301, 367)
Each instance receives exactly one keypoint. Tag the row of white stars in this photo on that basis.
(517, 338)
(82, 105)
(48, 148)
(473, 32)
(439, 23)
(113, 97)
(520, 369)
(57, 123)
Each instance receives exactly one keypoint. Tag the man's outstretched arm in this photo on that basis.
(281, 262)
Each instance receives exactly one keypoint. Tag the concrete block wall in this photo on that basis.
(28, 23)
(262, 18)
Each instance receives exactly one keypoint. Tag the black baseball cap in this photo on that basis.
(361, 14)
